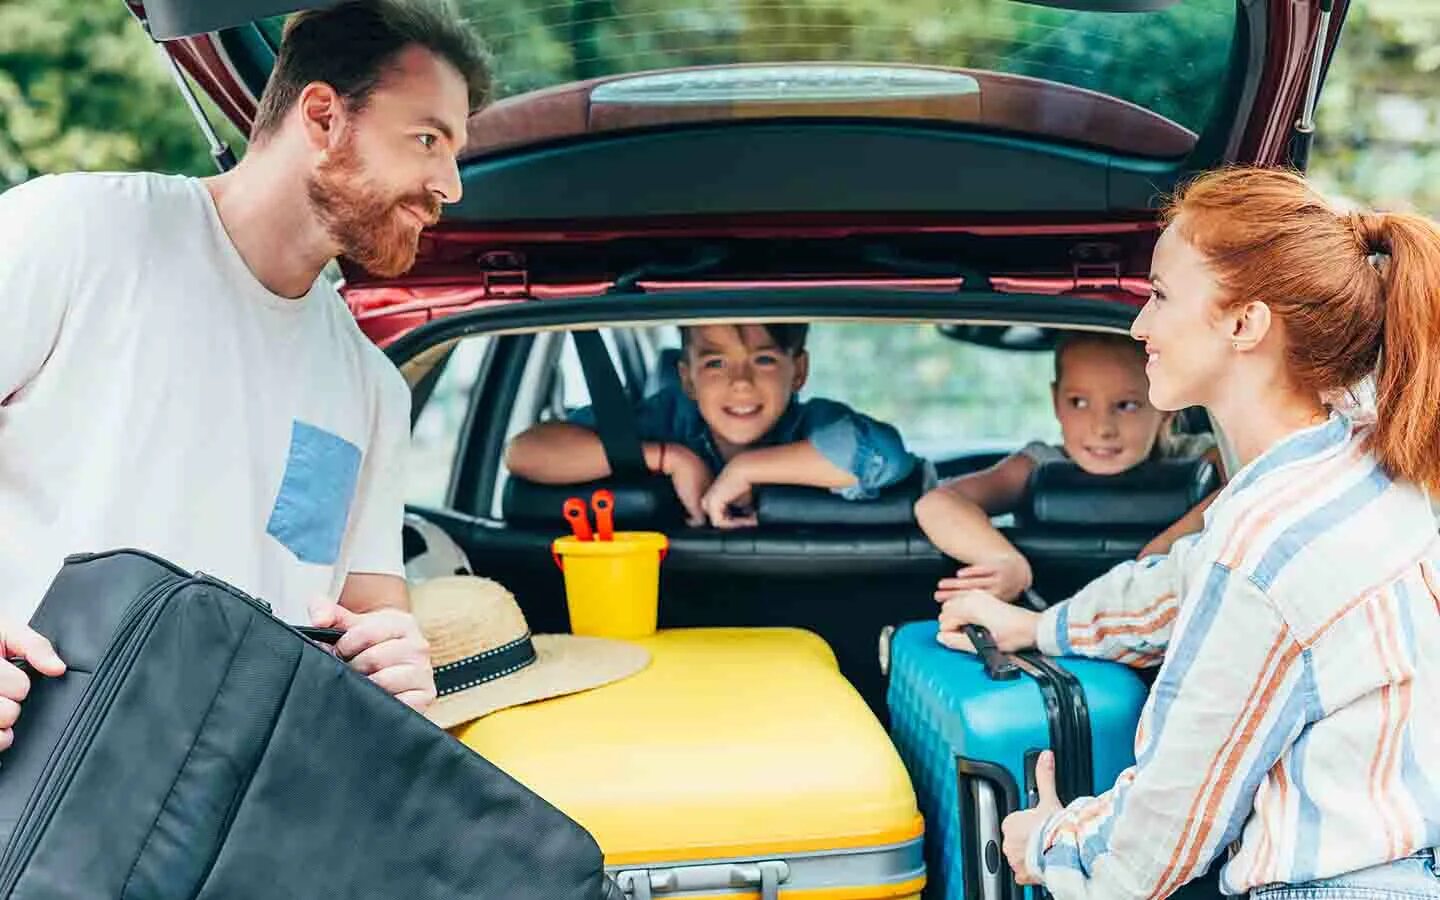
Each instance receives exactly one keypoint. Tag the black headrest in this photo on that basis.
(1152, 495)
(647, 503)
(788, 505)
(651, 504)
(665, 374)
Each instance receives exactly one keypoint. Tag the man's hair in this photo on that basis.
(351, 46)
(788, 336)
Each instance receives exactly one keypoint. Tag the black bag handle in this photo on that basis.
(998, 666)
(614, 415)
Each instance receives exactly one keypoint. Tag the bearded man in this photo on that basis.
(175, 375)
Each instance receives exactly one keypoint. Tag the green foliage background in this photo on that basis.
(81, 87)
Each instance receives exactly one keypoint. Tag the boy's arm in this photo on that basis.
(871, 452)
(571, 452)
(562, 453)
(956, 518)
(798, 463)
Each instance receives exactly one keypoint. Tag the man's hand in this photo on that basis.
(1012, 627)
(732, 488)
(691, 478)
(1006, 577)
(386, 645)
(1018, 827)
(20, 642)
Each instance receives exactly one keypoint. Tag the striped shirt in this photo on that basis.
(1293, 721)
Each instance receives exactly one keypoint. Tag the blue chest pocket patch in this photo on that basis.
(315, 495)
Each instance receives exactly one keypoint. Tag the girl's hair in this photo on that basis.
(1358, 293)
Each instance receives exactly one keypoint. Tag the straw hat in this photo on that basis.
(486, 659)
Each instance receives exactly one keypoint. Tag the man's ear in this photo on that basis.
(802, 369)
(1055, 397)
(1250, 324)
(322, 115)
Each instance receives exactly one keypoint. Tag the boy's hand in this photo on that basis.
(691, 478)
(1012, 627)
(1007, 577)
(731, 489)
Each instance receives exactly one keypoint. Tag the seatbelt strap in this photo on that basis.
(614, 415)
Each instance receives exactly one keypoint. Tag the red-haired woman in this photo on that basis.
(1295, 719)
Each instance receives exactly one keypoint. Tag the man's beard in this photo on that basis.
(363, 219)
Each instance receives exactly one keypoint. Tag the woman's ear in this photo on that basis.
(1250, 324)
(802, 369)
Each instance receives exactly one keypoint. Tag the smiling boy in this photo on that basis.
(733, 423)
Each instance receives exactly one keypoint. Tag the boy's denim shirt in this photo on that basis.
(871, 451)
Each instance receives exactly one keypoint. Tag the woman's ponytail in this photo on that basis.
(1406, 249)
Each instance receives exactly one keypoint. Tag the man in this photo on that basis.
(176, 377)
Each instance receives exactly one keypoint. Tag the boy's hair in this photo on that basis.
(351, 46)
(1120, 342)
(788, 336)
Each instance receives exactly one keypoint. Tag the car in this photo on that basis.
(941, 198)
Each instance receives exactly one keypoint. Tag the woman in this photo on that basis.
(1293, 720)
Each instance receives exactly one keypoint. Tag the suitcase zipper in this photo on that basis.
(80, 728)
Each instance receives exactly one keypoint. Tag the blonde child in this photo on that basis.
(1108, 426)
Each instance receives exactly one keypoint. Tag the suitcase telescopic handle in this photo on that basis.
(998, 666)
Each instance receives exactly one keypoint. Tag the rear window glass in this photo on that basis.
(1172, 61)
(947, 397)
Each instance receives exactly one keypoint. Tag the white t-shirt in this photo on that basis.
(153, 394)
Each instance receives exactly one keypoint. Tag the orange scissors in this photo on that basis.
(578, 516)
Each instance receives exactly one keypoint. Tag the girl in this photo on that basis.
(1107, 425)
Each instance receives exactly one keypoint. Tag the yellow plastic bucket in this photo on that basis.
(613, 587)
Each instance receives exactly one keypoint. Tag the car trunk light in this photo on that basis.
(804, 83)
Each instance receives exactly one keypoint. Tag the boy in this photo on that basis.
(733, 423)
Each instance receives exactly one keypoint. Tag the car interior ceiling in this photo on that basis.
(843, 569)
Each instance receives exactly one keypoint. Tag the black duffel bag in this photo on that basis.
(200, 747)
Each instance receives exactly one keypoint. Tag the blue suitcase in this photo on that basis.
(969, 731)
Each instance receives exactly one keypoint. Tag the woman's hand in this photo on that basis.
(1019, 827)
(1012, 627)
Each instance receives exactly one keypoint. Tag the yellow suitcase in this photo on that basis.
(740, 764)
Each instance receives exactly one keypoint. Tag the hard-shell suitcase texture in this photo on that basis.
(741, 763)
(970, 737)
